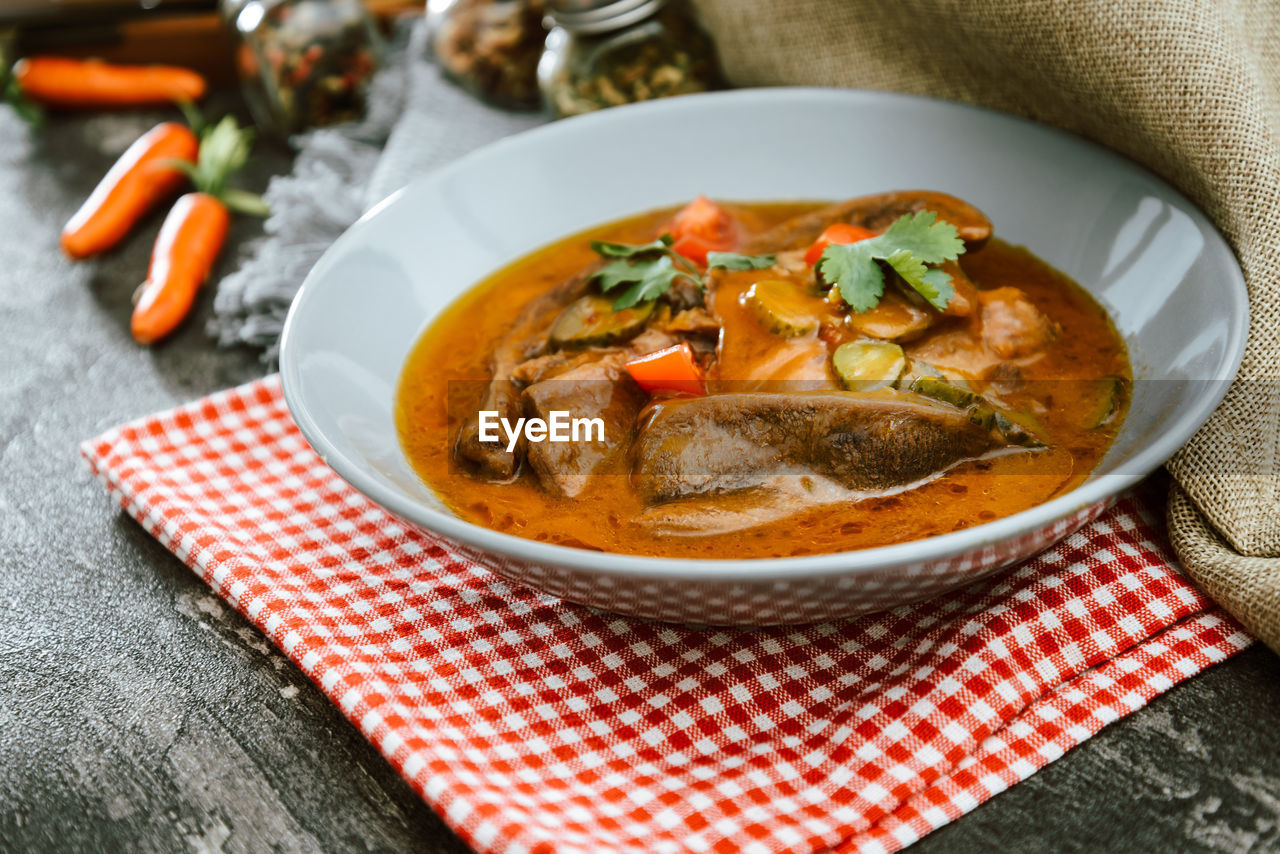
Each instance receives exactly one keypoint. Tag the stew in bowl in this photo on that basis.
(751, 380)
(403, 333)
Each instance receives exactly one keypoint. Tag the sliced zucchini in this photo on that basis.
(590, 321)
(916, 369)
(1013, 432)
(947, 392)
(979, 409)
(782, 308)
(868, 365)
(1115, 390)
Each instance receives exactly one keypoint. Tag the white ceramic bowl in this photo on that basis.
(1146, 253)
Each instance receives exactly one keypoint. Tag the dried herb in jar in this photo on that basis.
(303, 63)
(590, 65)
(491, 48)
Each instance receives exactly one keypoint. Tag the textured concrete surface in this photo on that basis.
(137, 712)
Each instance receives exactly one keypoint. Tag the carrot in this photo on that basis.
(185, 250)
(144, 174)
(69, 83)
(193, 233)
(671, 369)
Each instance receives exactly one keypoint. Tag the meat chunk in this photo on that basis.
(730, 442)
(894, 318)
(597, 389)
(694, 321)
(492, 459)
(1012, 327)
(683, 294)
(593, 384)
(527, 339)
(964, 301)
(548, 365)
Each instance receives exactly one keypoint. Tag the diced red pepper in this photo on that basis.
(671, 369)
(702, 226)
(841, 233)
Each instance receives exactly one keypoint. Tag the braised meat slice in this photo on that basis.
(527, 339)
(1012, 327)
(694, 321)
(548, 365)
(594, 386)
(598, 389)
(895, 318)
(877, 213)
(862, 441)
(492, 459)
(778, 497)
(964, 300)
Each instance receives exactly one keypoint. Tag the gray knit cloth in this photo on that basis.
(416, 121)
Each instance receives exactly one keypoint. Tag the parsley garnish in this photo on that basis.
(632, 250)
(652, 268)
(734, 261)
(911, 243)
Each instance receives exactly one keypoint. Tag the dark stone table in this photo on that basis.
(139, 713)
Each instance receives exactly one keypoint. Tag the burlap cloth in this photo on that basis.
(1189, 88)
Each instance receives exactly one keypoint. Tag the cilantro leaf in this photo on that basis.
(627, 250)
(936, 287)
(649, 268)
(855, 273)
(736, 261)
(908, 246)
(617, 272)
(924, 237)
(654, 279)
(906, 265)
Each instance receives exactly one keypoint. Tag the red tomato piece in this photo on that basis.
(702, 226)
(671, 369)
(841, 234)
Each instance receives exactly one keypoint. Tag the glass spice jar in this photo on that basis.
(603, 53)
(490, 47)
(303, 63)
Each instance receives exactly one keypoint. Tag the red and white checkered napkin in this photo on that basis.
(532, 724)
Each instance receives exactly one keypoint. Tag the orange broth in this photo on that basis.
(444, 377)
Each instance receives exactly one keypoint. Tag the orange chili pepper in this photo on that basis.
(841, 233)
(87, 83)
(193, 233)
(184, 254)
(143, 176)
(670, 369)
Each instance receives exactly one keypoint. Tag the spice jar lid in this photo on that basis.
(598, 16)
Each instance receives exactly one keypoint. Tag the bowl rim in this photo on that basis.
(1095, 490)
